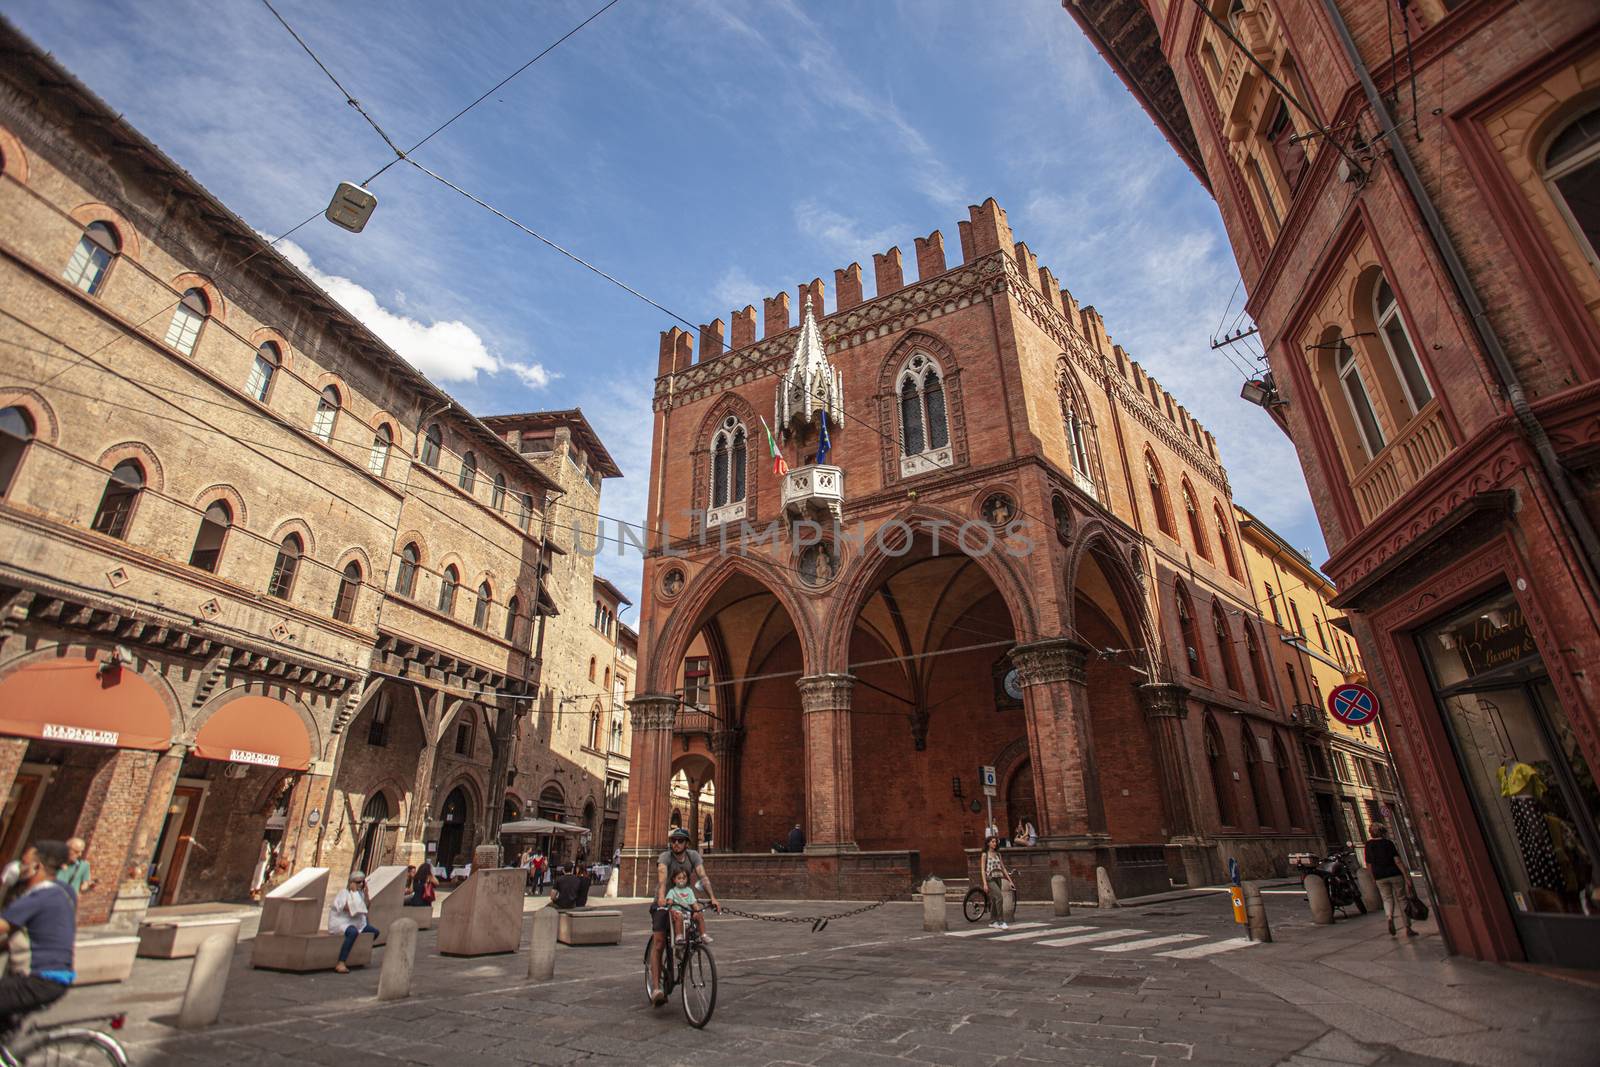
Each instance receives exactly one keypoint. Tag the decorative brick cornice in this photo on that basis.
(1055, 659)
(653, 711)
(1164, 700)
(826, 692)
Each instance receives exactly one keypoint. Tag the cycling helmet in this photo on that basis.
(677, 832)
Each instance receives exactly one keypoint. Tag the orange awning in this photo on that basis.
(256, 730)
(70, 700)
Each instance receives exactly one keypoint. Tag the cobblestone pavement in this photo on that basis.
(1167, 982)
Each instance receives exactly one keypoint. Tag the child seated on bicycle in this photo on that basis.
(681, 902)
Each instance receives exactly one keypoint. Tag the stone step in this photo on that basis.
(955, 890)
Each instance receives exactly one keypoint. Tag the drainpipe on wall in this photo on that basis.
(1532, 429)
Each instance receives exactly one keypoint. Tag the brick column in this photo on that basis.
(830, 794)
(725, 747)
(133, 889)
(1056, 697)
(422, 781)
(107, 823)
(1166, 705)
(649, 790)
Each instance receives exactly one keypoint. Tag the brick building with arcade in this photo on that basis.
(1014, 549)
(1411, 192)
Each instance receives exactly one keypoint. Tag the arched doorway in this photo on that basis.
(587, 846)
(1020, 803)
(930, 703)
(374, 817)
(553, 806)
(511, 810)
(454, 819)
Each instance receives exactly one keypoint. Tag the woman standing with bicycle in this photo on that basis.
(997, 876)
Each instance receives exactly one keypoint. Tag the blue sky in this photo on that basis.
(709, 152)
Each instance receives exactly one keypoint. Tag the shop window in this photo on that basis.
(208, 542)
(1572, 173)
(16, 433)
(468, 478)
(262, 370)
(432, 446)
(449, 583)
(378, 458)
(285, 567)
(344, 601)
(187, 318)
(121, 496)
(91, 258)
(1221, 773)
(327, 414)
(1224, 634)
(405, 582)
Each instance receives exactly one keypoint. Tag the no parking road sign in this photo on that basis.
(1353, 704)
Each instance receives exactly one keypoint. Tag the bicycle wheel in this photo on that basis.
(975, 904)
(666, 972)
(699, 982)
(73, 1048)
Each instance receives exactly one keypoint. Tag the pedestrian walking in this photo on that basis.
(1394, 884)
(424, 887)
(347, 915)
(74, 874)
(997, 875)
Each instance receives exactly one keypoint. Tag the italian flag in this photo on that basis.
(778, 465)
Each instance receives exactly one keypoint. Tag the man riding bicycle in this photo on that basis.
(47, 910)
(678, 857)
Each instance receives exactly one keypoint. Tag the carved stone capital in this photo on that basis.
(653, 711)
(724, 743)
(1055, 659)
(1164, 700)
(826, 692)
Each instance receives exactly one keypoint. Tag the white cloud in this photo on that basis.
(735, 289)
(840, 235)
(446, 351)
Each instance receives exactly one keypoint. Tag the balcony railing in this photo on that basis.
(694, 720)
(1311, 717)
(1419, 448)
(816, 488)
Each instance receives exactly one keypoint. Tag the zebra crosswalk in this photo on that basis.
(1119, 941)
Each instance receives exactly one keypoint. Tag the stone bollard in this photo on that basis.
(1369, 889)
(1317, 897)
(612, 883)
(1008, 902)
(933, 919)
(399, 958)
(542, 945)
(208, 980)
(1102, 883)
(1256, 910)
(1059, 894)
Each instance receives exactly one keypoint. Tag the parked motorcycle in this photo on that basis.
(1338, 872)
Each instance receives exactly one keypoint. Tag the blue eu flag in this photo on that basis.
(824, 446)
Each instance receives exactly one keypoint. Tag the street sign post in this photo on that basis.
(1353, 704)
(986, 775)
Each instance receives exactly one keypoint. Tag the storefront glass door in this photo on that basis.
(1533, 790)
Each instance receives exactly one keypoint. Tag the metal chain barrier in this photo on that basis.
(818, 923)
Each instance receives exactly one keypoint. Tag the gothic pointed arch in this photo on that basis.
(891, 375)
(1078, 425)
(1113, 558)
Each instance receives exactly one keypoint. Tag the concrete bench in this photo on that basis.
(422, 915)
(484, 916)
(590, 926)
(304, 953)
(100, 959)
(171, 939)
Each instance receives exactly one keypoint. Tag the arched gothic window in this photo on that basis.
(524, 511)
(1397, 342)
(268, 359)
(405, 582)
(286, 567)
(594, 726)
(16, 433)
(121, 495)
(96, 248)
(1224, 633)
(1258, 666)
(1221, 773)
(1260, 799)
(469, 471)
(513, 610)
(1224, 540)
(480, 610)
(344, 602)
(449, 582)
(214, 527)
(924, 426)
(432, 446)
(497, 496)
(1572, 172)
(1291, 797)
(382, 442)
(187, 318)
(729, 454)
(1364, 421)
(327, 414)
(1194, 659)
(1158, 496)
(1077, 437)
(1196, 530)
